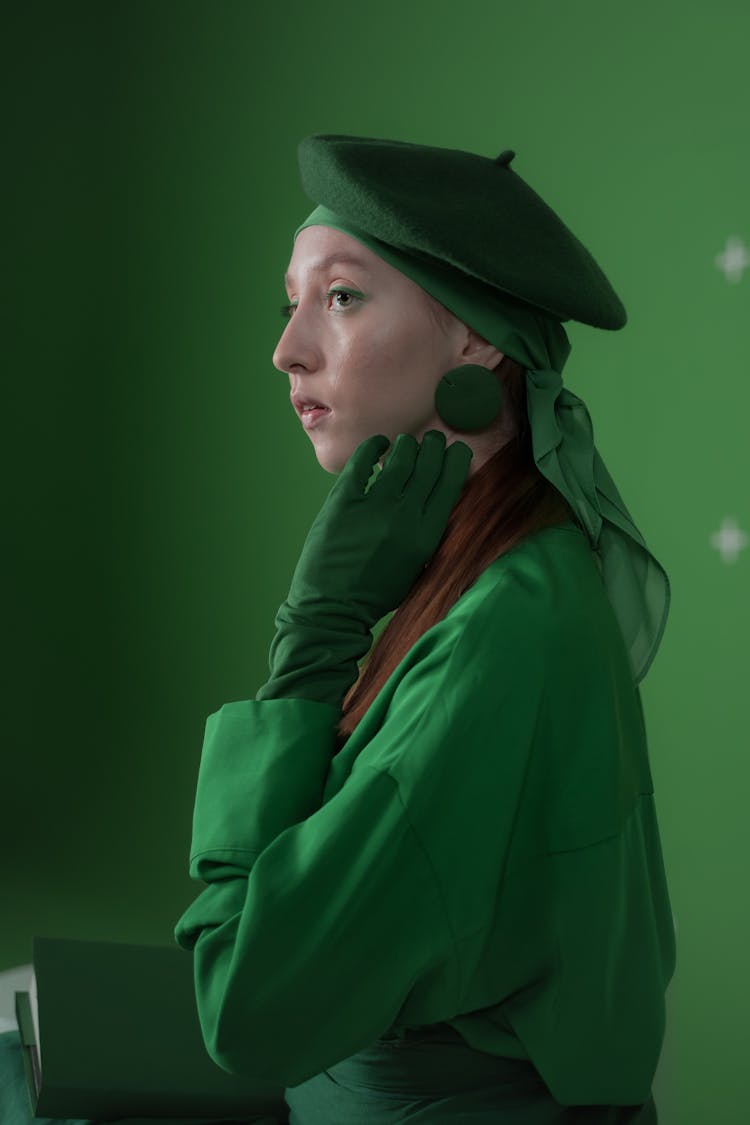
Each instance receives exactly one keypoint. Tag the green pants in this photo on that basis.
(422, 1080)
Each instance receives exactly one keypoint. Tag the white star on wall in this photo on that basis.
(733, 259)
(729, 540)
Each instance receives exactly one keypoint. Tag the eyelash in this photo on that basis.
(286, 310)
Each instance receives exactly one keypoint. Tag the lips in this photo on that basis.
(303, 404)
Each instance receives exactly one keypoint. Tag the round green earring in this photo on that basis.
(469, 397)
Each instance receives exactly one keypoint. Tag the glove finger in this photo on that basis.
(358, 469)
(428, 468)
(444, 496)
(398, 466)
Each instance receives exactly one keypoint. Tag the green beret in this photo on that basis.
(470, 212)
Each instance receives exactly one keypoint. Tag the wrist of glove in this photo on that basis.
(315, 656)
(363, 553)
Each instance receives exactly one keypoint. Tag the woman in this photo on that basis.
(435, 883)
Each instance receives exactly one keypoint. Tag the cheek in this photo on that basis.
(395, 355)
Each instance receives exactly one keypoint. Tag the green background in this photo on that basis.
(159, 486)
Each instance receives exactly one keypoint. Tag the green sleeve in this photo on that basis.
(318, 920)
(263, 767)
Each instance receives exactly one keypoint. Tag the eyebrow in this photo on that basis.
(324, 263)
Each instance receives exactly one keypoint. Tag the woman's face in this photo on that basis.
(371, 353)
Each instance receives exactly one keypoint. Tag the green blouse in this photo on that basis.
(483, 851)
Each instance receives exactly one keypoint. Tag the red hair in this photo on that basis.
(503, 502)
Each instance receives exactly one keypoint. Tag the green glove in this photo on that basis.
(362, 555)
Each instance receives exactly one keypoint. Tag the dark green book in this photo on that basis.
(111, 1030)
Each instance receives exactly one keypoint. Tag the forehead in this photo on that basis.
(317, 248)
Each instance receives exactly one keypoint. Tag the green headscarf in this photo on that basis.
(562, 434)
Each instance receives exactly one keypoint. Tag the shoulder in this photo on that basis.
(543, 599)
(536, 623)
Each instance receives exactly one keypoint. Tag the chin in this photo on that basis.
(332, 451)
(331, 462)
(333, 455)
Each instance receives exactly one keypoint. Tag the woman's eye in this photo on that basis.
(341, 293)
(287, 310)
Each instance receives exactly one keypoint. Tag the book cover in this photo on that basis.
(111, 1030)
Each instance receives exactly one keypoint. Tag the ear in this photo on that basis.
(478, 350)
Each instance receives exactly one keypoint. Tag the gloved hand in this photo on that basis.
(362, 555)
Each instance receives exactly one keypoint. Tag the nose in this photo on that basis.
(294, 348)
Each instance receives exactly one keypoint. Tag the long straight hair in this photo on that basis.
(503, 502)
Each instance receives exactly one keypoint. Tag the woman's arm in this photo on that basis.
(300, 924)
